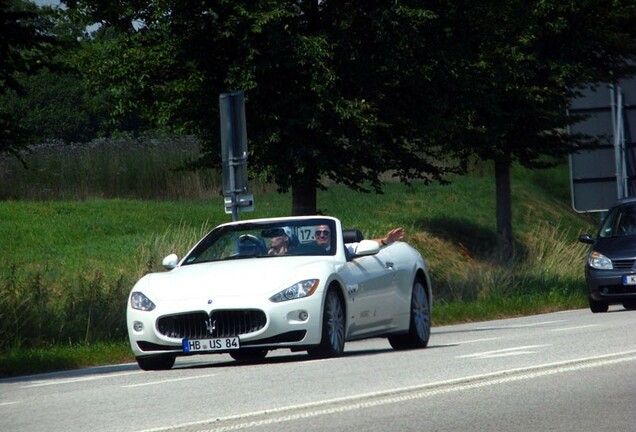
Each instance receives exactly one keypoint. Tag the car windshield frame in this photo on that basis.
(254, 240)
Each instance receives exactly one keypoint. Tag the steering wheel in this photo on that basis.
(253, 244)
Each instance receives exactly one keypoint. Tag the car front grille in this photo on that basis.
(623, 264)
(220, 323)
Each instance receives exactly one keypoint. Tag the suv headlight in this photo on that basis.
(599, 261)
(141, 302)
(298, 290)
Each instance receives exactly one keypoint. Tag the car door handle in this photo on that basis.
(389, 265)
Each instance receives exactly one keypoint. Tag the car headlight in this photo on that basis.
(141, 302)
(298, 290)
(599, 261)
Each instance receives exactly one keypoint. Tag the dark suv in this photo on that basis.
(610, 270)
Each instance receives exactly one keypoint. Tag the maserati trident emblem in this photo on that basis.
(210, 325)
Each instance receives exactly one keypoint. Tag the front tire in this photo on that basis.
(630, 305)
(333, 328)
(598, 306)
(420, 321)
(162, 362)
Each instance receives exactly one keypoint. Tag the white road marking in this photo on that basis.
(574, 328)
(504, 352)
(79, 379)
(476, 340)
(370, 400)
(9, 403)
(168, 381)
(513, 326)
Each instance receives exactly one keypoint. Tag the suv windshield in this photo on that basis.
(252, 240)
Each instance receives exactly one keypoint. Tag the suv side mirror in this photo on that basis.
(586, 238)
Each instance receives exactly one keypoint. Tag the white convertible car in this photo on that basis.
(229, 295)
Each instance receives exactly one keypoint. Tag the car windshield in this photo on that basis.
(266, 240)
(621, 221)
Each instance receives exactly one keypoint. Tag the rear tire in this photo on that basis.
(162, 362)
(333, 328)
(420, 321)
(598, 306)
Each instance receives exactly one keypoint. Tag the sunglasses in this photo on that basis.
(323, 233)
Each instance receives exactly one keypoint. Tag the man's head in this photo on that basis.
(323, 235)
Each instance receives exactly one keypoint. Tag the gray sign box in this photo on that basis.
(597, 196)
(599, 122)
(601, 175)
(594, 164)
(597, 96)
(233, 142)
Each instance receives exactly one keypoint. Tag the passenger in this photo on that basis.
(323, 238)
(281, 243)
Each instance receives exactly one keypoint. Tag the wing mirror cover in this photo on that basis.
(367, 247)
(170, 261)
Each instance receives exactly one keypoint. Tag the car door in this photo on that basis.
(370, 286)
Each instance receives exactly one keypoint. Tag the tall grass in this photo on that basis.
(144, 168)
(177, 240)
(38, 311)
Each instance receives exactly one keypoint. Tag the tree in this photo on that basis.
(520, 63)
(23, 39)
(53, 106)
(334, 90)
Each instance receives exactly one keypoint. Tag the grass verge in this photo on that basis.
(19, 361)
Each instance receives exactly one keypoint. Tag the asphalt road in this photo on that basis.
(566, 371)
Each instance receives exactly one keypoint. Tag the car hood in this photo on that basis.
(264, 276)
(617, 247)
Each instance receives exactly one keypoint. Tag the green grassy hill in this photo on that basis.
(70, 264)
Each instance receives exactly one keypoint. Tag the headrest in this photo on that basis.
(352, 236)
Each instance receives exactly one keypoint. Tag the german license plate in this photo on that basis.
(629, 280)
(210, 345)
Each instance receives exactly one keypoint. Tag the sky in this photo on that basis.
(46, 2)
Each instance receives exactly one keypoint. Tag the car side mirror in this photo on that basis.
(586, 238)
(367, 247)
(170, 261)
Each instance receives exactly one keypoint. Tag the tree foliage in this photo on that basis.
(53, 106)
(23, 40)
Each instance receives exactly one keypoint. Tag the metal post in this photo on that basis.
(234, 151)
(613, 106)
(619, 151)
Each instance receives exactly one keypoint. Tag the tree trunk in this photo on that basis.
(505, 247)
(304, 200)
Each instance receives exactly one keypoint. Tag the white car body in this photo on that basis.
(230, 301)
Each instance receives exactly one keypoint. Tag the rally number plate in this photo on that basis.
(210, 345)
